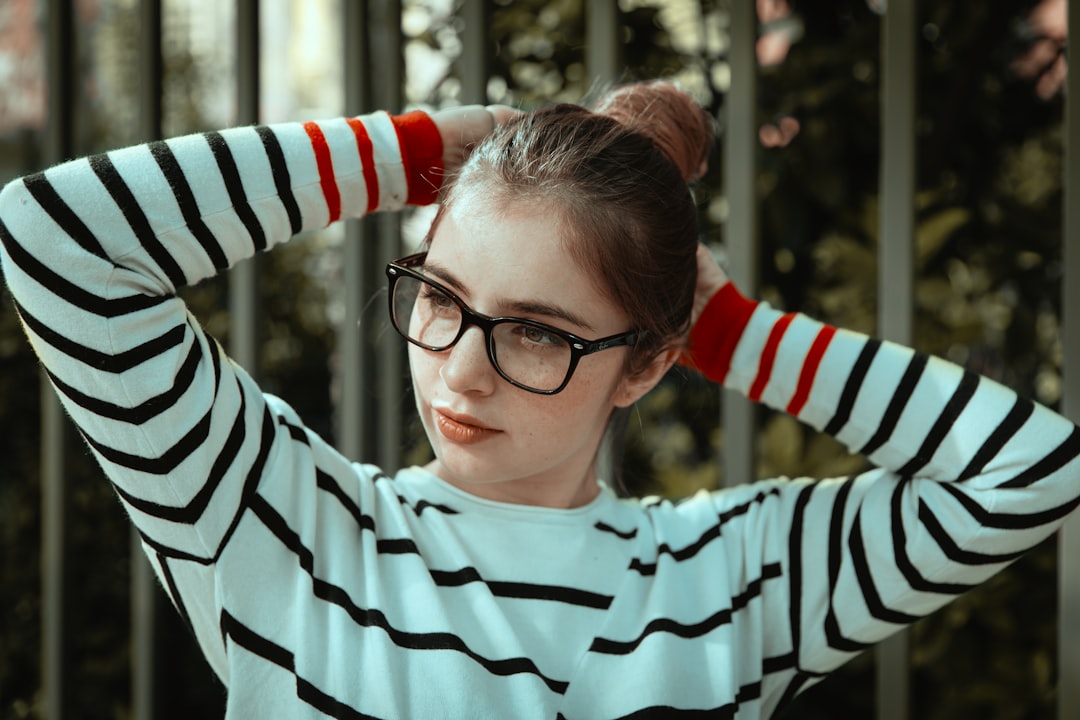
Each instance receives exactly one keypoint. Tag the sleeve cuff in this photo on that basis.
(421, 156)
(716, 333)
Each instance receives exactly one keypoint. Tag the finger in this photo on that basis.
(502, 114)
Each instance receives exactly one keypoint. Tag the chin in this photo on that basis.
(466, 468)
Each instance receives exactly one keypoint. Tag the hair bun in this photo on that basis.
(669, 116)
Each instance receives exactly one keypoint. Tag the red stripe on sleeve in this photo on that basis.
(716, 333)
(421, 154)
(367, 162)
(768, 356)
(810, 368)
(326, 169)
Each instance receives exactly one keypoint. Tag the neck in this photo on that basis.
(564, 496)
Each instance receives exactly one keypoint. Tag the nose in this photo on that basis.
(467, 368)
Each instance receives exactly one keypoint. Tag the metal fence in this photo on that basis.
(370, 427)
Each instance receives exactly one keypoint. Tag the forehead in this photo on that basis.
(505, 253)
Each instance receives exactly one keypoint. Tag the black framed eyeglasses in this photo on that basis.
(527, 354)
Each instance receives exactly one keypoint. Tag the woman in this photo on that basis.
(560, 281)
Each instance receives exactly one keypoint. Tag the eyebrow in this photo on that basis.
(524, 307)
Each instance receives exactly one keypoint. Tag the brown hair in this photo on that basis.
(618, 178)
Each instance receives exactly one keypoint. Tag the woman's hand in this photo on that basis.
(710, 278)
(462, 128)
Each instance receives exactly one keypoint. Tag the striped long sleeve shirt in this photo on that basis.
(318, 587)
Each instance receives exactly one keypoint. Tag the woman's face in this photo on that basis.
(491, 438)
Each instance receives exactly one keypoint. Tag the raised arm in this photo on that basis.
(93, 252)
(969, 475)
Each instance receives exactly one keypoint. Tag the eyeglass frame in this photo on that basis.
(579, 346)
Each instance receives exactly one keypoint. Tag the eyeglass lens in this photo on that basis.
(527, 353)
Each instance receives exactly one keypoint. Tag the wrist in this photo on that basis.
(421, 156)
(717, 331)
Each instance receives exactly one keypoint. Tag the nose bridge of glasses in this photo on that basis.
(472, 340)
(468, 361)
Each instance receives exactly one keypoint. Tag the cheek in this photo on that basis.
(424, 369)
(586, 401)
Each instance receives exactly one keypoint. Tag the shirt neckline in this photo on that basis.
(427, 484)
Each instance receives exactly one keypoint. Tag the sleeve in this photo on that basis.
(93, 252)
(968, 477)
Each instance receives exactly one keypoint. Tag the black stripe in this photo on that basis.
(685, 553)
(193, 510)
(743, 508)
(249, 640)
(795, 574)
(865, 577)
(1010, 521)
(1058, 458)
(42, 191)
(897, 404)
(282, 180)
(189, 207)
(174, 590)
(907, 568)
(68, 291)
(371, 617)
(144, 411)
(324, 481)
(649, 568)
(251, 484)
(386, 546)
(663, 712)
(270, 651)
(552, 593)
(745, 694)
(106, 362)
(953, 551)
(965, 390)
(851, 387)
(396, 546)
(296, 432)
(833, 633)
(689, 631)
(623, 535)
(230, 174)
(422, 505)
(1022, 409)
(521, 590)
(133, 213)
(176, 554)
(796, 686)
(779, 663)
(162, 464)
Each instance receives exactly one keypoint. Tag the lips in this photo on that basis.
(460, 428)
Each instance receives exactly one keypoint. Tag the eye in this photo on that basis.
(538, 336)
(433, 297)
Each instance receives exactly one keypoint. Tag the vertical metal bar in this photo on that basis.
(58, 146)
(476, 50)
(1069, 537)
(356, 437)
(54, 559)
(145, 595)
(386, 52)
(602, 45)
(243, 279)
(896, 265)
(602, 68)
(741, 231)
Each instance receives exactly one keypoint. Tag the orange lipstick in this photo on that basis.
(461, 429)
